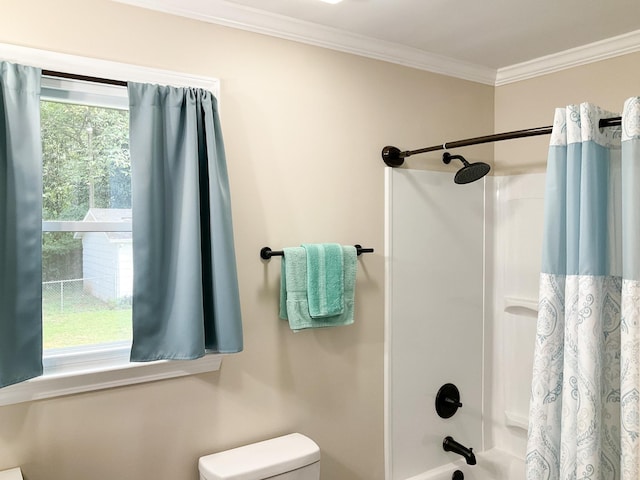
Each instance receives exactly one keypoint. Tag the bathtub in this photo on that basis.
(493, 464)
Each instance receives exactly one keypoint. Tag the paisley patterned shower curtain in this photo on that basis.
(583, 421)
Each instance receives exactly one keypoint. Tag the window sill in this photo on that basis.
(91, 374)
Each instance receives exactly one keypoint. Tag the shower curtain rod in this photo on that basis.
(84, 78)
(393, 157)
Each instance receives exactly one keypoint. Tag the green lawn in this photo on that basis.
(82, 320)
(86, 328)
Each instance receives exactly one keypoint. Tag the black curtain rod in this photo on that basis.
(393, 157)
(84, 78)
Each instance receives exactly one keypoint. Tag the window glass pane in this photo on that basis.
(86, 289)
(87, 276)
(86, 160)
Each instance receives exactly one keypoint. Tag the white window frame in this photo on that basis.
(82, 369)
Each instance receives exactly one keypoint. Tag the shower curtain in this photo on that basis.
(583, 419)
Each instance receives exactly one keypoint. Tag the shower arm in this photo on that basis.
(447, 157)
(394, 157)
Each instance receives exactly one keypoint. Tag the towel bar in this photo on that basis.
(266, 253)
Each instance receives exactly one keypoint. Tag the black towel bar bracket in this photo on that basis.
(266, 253)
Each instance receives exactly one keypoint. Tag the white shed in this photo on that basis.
(107, 257)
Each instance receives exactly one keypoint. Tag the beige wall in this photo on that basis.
(304, 128)
(531, 103)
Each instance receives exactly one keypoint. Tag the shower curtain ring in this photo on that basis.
(444, 146)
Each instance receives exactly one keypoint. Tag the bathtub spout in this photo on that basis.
(450, 445)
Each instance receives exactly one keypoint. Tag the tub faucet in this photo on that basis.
(450, 445)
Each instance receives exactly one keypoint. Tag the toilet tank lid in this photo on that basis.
(260, 460)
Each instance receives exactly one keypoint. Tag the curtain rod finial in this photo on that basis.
(392, 156)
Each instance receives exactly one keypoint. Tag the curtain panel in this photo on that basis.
(20, 224)
(185, 294)
(583, 420)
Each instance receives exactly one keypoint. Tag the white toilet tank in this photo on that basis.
(291, 457)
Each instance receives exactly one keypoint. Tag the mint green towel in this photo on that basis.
(294, 305)
(325, 284)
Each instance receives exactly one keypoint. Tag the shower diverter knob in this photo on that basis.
(448, 400)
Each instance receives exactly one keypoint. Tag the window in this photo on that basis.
(87, 267)
(86, 243)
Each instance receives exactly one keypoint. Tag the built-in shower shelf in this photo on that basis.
(521, 305)
(517, 420)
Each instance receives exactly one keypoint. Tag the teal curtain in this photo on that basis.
(583, 419)
(20, 224)
(185, 293)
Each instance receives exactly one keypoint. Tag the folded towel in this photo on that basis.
(325, 284)
(294, 305)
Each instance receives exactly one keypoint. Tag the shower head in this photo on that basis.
(470, 172)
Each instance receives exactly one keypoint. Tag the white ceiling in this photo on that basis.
(466, 38)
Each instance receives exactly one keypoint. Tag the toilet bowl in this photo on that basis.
(290, 457)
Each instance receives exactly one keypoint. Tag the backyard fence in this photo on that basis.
(77, 294)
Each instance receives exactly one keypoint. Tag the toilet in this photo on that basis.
(290, 457)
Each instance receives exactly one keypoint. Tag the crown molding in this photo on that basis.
(254, 20)
(574, 57)
(227, 14)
